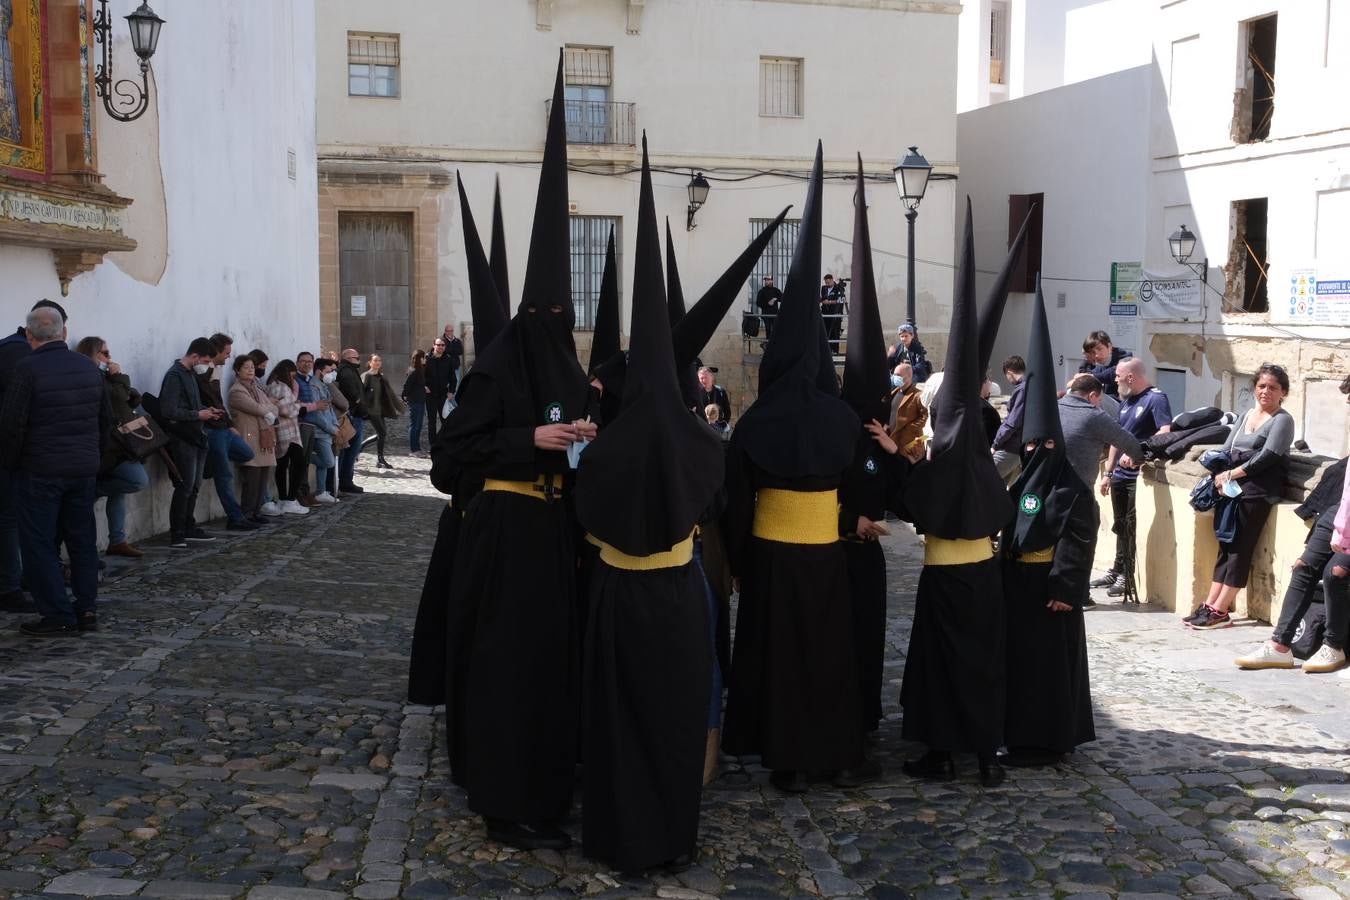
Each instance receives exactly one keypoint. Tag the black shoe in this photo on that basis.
(1089, 603)
(259, 520)
(1106, 580)
(49, 628)
(789, 781)
(527, 837)
(384, 464)
(178, 542)
(1208, 617)
(1193, 616)
(197, 536)
(681, 863)
(16, 602)
(242, 525)
(351, 489)
(991, 773)
(87, 621)
(932, 766)
(1030, 758)
(864, 772)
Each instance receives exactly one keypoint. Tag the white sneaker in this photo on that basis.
(325, 497)
(294, 508)
(1326, 659)
(270, 508)
(1266, 657)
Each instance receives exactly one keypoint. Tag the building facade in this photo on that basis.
(198, 216)
(739, 90)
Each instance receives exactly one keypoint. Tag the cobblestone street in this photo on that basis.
(237, 728)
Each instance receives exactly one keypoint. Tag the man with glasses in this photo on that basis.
(440, 378)
(349, 383)
(1144, 412)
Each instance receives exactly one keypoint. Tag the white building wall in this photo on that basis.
(228, 241)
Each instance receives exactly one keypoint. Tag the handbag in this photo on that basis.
(267, 438)
(1203, 495)
(140, 436)
(345, 432)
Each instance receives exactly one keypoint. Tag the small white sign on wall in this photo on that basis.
(358, 306)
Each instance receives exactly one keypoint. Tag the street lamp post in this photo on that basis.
(131, 99)
(1182, 244)
(698, 195)
(911, 180)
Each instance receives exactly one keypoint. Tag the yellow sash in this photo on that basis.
(538, 489)
(1039, 556)
(942, 552)
(796, 517)
(676, 556)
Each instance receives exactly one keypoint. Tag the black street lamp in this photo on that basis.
(911, 180)
(132, 99)
(698, 195)
(1182, 244)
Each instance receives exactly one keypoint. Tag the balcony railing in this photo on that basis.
(598, 121)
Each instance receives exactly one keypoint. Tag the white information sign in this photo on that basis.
(358, 306)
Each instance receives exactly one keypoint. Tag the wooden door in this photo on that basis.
(375, 283)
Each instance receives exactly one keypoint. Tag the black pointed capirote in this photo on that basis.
(991, 311)
(605, 339)
(489, 318)
(865, 379)
(497, 253)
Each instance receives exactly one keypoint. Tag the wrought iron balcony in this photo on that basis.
(598, 122)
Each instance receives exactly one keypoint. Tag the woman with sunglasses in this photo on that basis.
(1259, 449)
(120, 473)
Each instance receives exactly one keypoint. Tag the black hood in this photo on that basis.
(648, 476)
(605, 339)
(798, 426)
(991, 311)
(866, 383)
(958, 494)
(485, 303)
(687, 372)
(497, 259)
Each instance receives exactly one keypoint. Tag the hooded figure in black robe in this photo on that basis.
(1047, 561)
(874, 474)
(793, 696)
(641, 486)
(953, 684)
(427, 678)
(521, 408)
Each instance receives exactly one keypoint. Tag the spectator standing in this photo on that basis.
(454, 348)
(909, 349)
(349, 383)
(908, 414)
(311, 406)
(709, 391)
(440, 384)
(326, 370)
(414, 394)
(1007, 445)
(832, 310)
(1144, 412)
(1259, 449)
(182, 407)
(255, 415)
(284, 391)
(323, 417)
(55, 419)
(1101, 359)
(766, 301)
(119, 473)
(381, 402)
(224, 446)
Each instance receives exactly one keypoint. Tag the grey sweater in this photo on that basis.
(1087, 432)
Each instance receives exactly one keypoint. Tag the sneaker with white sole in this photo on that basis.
(1106, 580)
(1266, 656)
(1326, 659)
(270, 508)
(1208, 617)
(325, 497)
(294, 508)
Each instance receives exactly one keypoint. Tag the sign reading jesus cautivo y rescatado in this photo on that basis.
(22, 206)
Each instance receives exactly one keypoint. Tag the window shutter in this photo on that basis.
(780, 86)
(1028, 265)
(588, 65)
(372, 49)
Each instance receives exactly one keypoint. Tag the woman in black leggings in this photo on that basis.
(382, 401)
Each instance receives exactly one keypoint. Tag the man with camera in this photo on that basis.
(832, 309)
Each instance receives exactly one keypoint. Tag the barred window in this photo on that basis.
(998, 42)
(780, 86)
(592, 66)
(776, 259)
(590, 239)
(372, 65)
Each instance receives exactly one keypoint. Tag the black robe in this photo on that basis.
(426, 668)
(1049, 700)
(644, 723)
(513, 590)
(793, 693)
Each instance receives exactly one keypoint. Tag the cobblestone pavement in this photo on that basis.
(238, 728)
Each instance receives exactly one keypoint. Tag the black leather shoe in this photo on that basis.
(87, 621)
(351, 489)
(16, 602)
(242, 525)
(49, 628)
(527, 837)
(789, 781)
(991, 773)
(932, 766)
(864, 772)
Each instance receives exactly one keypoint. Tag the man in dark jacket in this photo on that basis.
(184, 411)
(1100, 359)
(55, 417)
(440, 376)
(349, 383)
(13, 348)
(1007, 446)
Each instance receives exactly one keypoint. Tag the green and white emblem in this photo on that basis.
(870, 466)
(1031, 504)
(553, 413)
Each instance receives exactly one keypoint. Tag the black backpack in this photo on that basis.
(1311, 630)
(750, 325)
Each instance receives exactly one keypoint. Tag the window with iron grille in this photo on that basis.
(780, 86)
(591, 117)
(372, 65)
(998, 42)
(776, 259)
(590, 238)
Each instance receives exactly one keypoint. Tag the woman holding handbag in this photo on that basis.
(120, 473)
(383, 402)
(283, 387)
(254, 415)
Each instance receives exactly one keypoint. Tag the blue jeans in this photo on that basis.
(347, 467)
(321, 454)
(11, 558)
(416, 413)
(224, 447)
(53, 511)
(127, 477)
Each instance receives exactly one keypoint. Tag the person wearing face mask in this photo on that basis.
(908, 414)
(323, 417)
(119, 473)
(224, 445)
(181, 406)
(255, 415)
